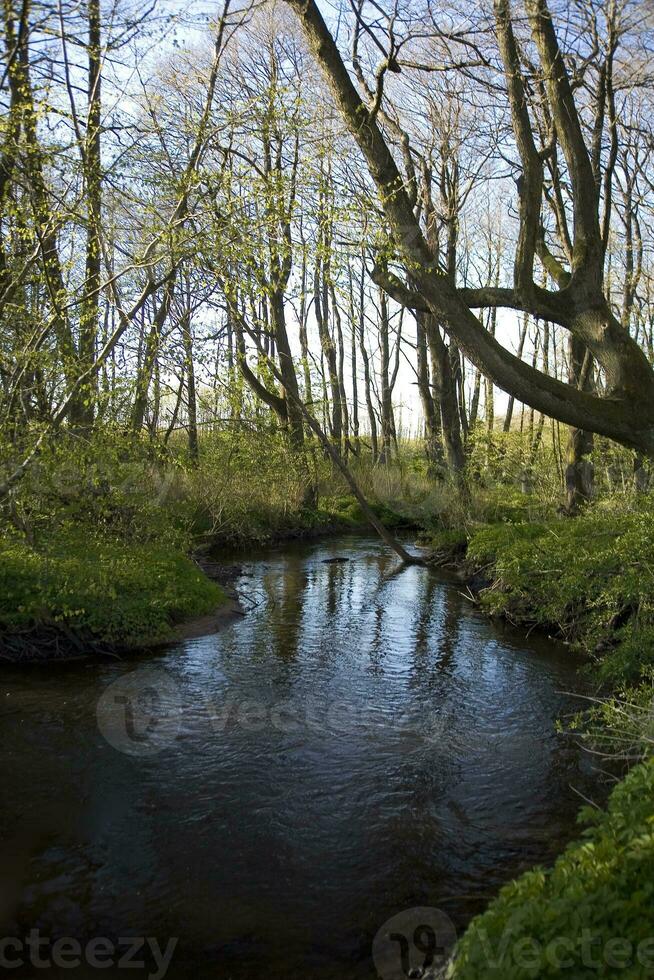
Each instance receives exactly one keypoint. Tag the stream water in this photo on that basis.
(361, 742)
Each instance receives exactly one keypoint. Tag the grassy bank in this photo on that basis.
(95, 545)
(588, 580)
(82, 592)
(590, 915)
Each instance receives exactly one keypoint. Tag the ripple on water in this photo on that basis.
(363, 740)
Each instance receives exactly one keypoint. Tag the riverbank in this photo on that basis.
(81, 593)
(589, 915)
(99, 547)
(588, 581)
(84, 592)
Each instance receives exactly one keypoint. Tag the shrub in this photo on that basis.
(549, 922)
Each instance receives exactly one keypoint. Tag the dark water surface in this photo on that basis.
(360, 743)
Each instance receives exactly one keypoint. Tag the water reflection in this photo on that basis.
(362, 742)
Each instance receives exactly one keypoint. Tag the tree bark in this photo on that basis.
(579, 471)
(431, 413)
(580, 305)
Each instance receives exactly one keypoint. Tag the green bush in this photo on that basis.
(621, 727)
(446, 543)
(117, 485)
(570, 920)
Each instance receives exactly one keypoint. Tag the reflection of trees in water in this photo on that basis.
(285, 588)
(427, 595)
(335, 577)
(450, 632)
(377, 645)
(438, 627)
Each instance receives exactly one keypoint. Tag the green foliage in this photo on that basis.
(94, 540)
(347, 510)
(117, 485)
(513, 457)
(447, 543)
(121, 593)
(562, 921)
(495, 504)
(592, 577)
(251, 486)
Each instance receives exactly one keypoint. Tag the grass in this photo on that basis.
(590, 579)
(98, 589)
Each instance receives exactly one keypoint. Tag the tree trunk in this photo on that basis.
(372, 419)
(291, 391)
(521, 346)
(341, 368)
(579, 472)
(433, 448)
(444, 385)
(386, 400)
(83, 406)
(321, 293)
(191, 396)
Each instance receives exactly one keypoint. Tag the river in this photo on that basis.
(361, 742)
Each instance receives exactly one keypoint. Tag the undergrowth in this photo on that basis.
(591, 914)
(590, 579)
(98, 589)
